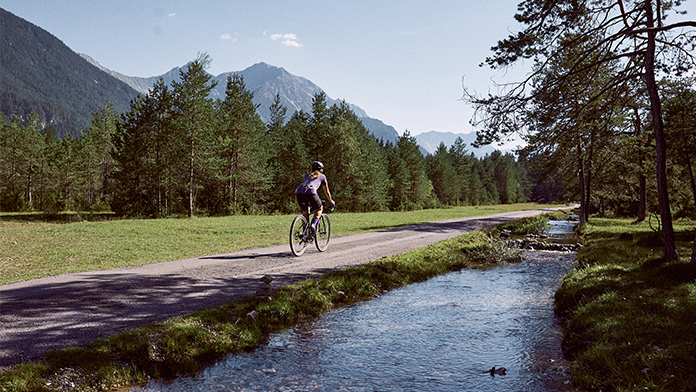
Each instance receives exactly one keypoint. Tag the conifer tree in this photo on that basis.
(193, 122)
(442, 173)
(243, 148)
(96, 160)
(288, 160)
(419, 192)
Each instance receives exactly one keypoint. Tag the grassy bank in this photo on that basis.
(185, 345)
(631, 317)
(31, 248)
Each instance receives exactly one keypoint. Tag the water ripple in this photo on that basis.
(438, 335)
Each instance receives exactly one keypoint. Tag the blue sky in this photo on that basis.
(402, 61)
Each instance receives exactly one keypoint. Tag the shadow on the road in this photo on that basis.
(446, 226)
(49, 316)
(277, 255)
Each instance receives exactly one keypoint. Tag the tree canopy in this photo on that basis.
(590, 56)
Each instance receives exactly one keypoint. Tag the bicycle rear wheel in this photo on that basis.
(298, 240)
(323, 233)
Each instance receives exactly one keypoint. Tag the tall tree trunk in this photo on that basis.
(642, 188)
(581, 180)
(670, 246)
(191, 203)
(588, 176)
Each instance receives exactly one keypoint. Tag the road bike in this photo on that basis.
(301, 232)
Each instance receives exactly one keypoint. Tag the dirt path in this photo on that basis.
(69, 310)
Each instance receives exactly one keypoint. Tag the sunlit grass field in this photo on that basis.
(31, 248)
(186, 345)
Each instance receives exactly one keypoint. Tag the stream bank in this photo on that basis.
(441, 334)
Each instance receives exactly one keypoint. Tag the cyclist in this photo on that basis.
(307, 192)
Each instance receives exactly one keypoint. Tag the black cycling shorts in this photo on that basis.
(304, 200)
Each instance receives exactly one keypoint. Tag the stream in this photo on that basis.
(443, 334)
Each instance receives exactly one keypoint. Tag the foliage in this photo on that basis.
(178, 152)
(589, 58)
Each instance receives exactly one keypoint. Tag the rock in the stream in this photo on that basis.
(535, 244)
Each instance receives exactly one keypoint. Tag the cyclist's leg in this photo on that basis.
(318, 207)
(304, 202)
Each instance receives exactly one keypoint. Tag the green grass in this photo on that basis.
(187, 344)
(31, 248)
(631, 316)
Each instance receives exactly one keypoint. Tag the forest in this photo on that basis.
(177, 152)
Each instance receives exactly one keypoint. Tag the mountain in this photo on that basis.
(141, 85)
(39, 73)
(265, 81)
(431, 140)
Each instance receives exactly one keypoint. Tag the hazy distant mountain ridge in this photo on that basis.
(141, 85)
(431, 140)
(265, 81)
(40, 74)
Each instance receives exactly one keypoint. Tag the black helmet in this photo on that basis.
(316, 165)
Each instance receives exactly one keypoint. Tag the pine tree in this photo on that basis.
(419, 192)
(193, 124)
(443, 175)
(96, 161)
(243, 148)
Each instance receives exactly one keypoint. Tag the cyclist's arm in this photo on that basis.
(325, 187)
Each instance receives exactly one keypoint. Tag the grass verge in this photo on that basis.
(185, 345)
(630, 316)
(32, 248)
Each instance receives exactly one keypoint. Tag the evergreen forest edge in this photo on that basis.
(178, 152)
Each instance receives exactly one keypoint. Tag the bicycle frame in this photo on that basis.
(302, 234)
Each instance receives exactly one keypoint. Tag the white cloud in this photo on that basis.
(227, 37)
(172, 14)
(292, 43)
(287, 39)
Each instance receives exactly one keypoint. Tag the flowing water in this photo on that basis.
(444, 334)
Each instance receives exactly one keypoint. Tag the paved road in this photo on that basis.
(69, 310)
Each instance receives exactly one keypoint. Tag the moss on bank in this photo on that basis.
(185, 345)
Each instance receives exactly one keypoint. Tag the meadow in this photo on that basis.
(32, 247)
(185, 345)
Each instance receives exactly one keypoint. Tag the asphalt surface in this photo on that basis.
(69, 310)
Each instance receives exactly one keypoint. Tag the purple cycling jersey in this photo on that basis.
(309, 186)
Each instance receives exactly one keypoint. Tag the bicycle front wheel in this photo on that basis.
(298, 237)
(323, 233)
